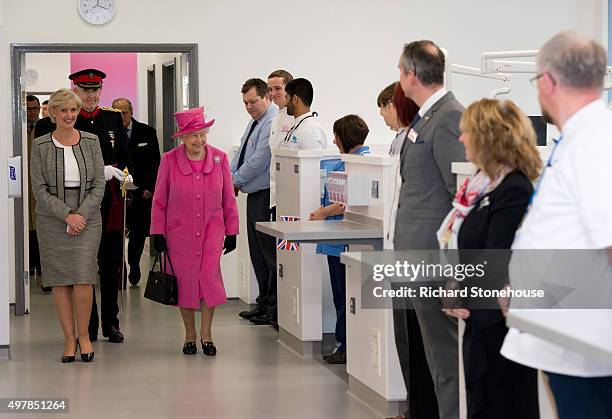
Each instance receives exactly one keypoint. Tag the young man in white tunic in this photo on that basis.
(306, 132)
(281, 125)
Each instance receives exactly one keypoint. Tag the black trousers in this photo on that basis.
(337, 278)
(582, 397)
(135, 248)
(496, 387)
(110, 265)
(139, 222)
(262, 249)
(421, 396)
(34, 252)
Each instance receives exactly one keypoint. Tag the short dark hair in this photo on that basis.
(261, 87)
(285, 75)
(426, 60)
(31, 98)
(350, 131)
(301, 88)
(405, 107)
(385, 95)
(46, 102)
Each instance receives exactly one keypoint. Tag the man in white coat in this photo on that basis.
(306, 132)
(281, 125)
(570, 209)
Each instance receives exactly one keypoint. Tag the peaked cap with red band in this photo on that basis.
(88, 78)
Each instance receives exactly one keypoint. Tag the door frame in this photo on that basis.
(18, 52)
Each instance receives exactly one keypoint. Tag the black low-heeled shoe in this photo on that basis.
(208, 348)
(70, 358)
(190, 348)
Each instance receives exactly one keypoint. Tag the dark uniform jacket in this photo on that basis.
(144, 149)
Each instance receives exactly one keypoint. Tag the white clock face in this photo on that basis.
(97, 12)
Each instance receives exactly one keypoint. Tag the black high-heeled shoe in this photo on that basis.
(70, 358)
(87, 357)
(208, 348)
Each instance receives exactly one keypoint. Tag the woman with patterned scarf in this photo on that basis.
(499, 139)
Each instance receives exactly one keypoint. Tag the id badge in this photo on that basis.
(413, 135)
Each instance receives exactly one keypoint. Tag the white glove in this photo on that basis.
(112, 172)
(108, 172)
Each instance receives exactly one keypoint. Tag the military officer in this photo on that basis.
(106, 123)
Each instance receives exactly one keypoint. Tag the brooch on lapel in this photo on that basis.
(484, 203)
(217, 159)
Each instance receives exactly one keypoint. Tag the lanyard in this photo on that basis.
(297, 125)
(548, 164)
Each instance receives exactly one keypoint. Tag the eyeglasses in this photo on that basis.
(534, 80)
(36, 108)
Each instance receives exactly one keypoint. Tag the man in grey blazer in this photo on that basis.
(426, 195)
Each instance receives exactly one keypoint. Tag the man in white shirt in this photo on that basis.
(306, 132)
(281, 125)
(570, 209)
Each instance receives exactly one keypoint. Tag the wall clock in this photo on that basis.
(97, 12)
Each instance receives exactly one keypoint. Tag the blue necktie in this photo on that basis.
(415, 120)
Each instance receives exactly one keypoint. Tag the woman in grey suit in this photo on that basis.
(67, 176)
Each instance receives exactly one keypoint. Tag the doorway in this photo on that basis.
(169, 102)
(189, 72)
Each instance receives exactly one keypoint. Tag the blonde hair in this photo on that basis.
(63, 97)
(501, 135)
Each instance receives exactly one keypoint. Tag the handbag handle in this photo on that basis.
(157, 259)
(163, 264)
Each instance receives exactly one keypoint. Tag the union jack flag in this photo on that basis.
(286, 245)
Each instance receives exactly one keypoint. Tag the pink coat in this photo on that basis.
(195, 211)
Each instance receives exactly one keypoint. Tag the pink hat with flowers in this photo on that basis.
(191, 120)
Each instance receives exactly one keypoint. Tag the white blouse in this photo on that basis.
(72, 177)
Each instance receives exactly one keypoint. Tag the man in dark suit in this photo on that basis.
(426, 194)
(106, 123)
(144, 148)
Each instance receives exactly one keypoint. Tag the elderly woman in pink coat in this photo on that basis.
(195, 218)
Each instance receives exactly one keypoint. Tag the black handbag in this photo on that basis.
(162, 286)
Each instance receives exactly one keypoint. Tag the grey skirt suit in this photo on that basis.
(65, 259)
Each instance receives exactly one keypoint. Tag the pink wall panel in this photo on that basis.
(121, 74)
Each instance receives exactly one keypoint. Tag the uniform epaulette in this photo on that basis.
(108, 108)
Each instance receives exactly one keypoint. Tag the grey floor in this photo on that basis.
(252, 375)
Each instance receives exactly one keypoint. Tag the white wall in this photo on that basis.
(5, 119)
(53, 70)
(348, 49)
